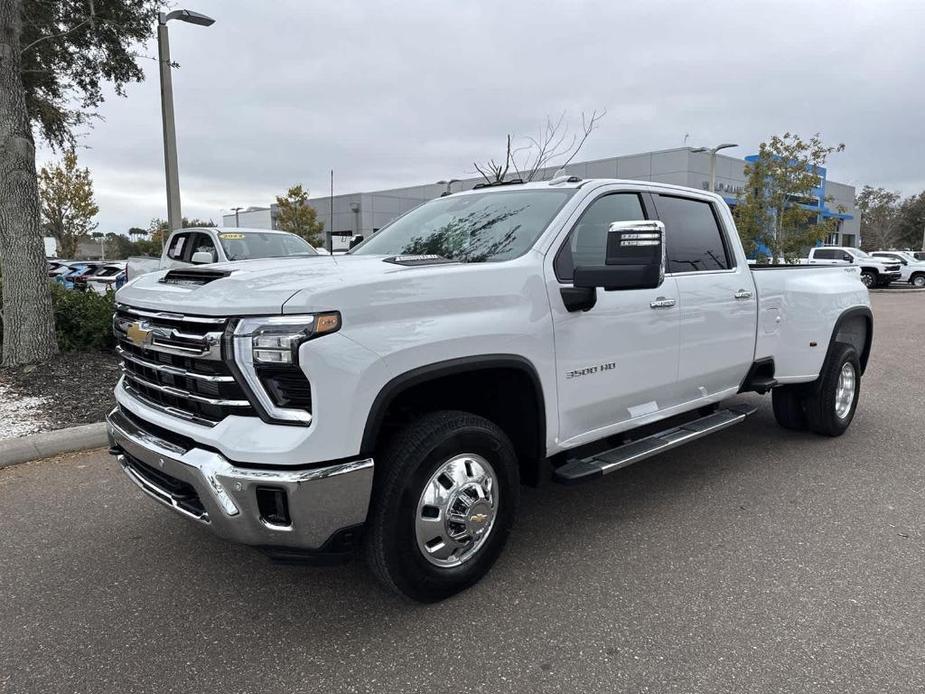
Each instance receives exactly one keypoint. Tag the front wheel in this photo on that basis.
(918, 281)
(868, 278)
(443, 506)
(832, 404)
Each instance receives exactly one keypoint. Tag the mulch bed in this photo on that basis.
(76, 387)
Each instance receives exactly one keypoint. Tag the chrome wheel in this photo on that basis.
(918, 281)
(844, 391)
(457, 510)
(867, 279)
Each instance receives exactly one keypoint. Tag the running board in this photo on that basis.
(600, 464)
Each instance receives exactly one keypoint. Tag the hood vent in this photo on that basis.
(193, 277)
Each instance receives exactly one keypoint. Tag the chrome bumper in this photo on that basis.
(204, 486)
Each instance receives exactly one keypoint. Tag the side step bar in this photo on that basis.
(600, 464)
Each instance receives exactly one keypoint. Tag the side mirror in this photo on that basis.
(202, 258)
(356, 241)
(635, 258)
(848, 258)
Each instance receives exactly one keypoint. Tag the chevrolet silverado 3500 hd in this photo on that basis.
(395, 398)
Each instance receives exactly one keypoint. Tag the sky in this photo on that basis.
(389, 94)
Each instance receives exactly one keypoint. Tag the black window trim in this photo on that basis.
(731, 260)
(645, 202)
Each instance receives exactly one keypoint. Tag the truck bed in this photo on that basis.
(797, 313)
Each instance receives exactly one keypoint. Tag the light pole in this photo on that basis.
(447, 183)
(237, 221)
(713, 151)
(174, 218)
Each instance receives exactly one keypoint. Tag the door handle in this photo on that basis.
(743, 294)
(662, 302)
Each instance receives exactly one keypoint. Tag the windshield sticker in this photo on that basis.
(231, 237)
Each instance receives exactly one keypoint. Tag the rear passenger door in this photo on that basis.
(717, 302)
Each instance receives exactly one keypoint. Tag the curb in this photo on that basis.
(49, 443)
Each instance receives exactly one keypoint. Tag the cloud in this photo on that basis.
(397, 93)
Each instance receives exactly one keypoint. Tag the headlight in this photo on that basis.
(276, 339)
(266, 351)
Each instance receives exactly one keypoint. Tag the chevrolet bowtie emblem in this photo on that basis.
(478, 517)
(138, 333)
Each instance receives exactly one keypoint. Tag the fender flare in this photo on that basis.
(430, 372)
(864, 312)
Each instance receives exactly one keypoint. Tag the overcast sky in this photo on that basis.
(390, 94)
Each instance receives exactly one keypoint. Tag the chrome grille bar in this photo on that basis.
(180, 393)
(172, 370)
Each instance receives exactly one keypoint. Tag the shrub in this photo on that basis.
(83, 320)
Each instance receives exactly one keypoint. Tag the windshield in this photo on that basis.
(241, 246)
(473, 228)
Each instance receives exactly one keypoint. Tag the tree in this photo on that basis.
(295, 215)
(536, 155)
(910, 224)
(776, 213)
(879, 212)
(54, 60)
(68, 207)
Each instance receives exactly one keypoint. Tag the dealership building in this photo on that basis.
(361, 214)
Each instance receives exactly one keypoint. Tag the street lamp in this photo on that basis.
(447, 183)
(237, 221)
(174, 218)
(713, 151)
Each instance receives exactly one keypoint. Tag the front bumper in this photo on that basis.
(204, 486)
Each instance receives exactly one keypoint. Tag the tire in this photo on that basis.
(868, 278)
(410, 471)
(827, 411)
(787, 402)
(917, 281)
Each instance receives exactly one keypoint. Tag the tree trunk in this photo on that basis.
(28, 324)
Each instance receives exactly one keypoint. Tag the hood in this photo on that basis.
(254, 287)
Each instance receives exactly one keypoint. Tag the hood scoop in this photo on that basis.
(193, 276)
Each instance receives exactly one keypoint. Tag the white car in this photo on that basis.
(875, 272)
(912, 270)
(396, 397)
(107, 278)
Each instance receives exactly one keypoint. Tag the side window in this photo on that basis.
(587, 242)
(824, 254)
(203, 242)
(695, 242)
(177, 246)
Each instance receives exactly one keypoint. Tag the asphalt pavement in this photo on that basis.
(757, 560)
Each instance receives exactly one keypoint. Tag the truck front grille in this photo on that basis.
(175, 363)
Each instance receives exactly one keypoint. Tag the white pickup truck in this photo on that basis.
(203, 245)
(875, 272)
(395, 398)
(911, 269)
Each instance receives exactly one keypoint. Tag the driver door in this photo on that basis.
(617, 361)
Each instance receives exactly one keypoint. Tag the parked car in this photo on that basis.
(75, 270)
(398, 397)
(108, 278)
(912, 270)
(59, 267)
(875, 272)
(200, 246)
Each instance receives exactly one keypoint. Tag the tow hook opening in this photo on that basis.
(273, 506)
